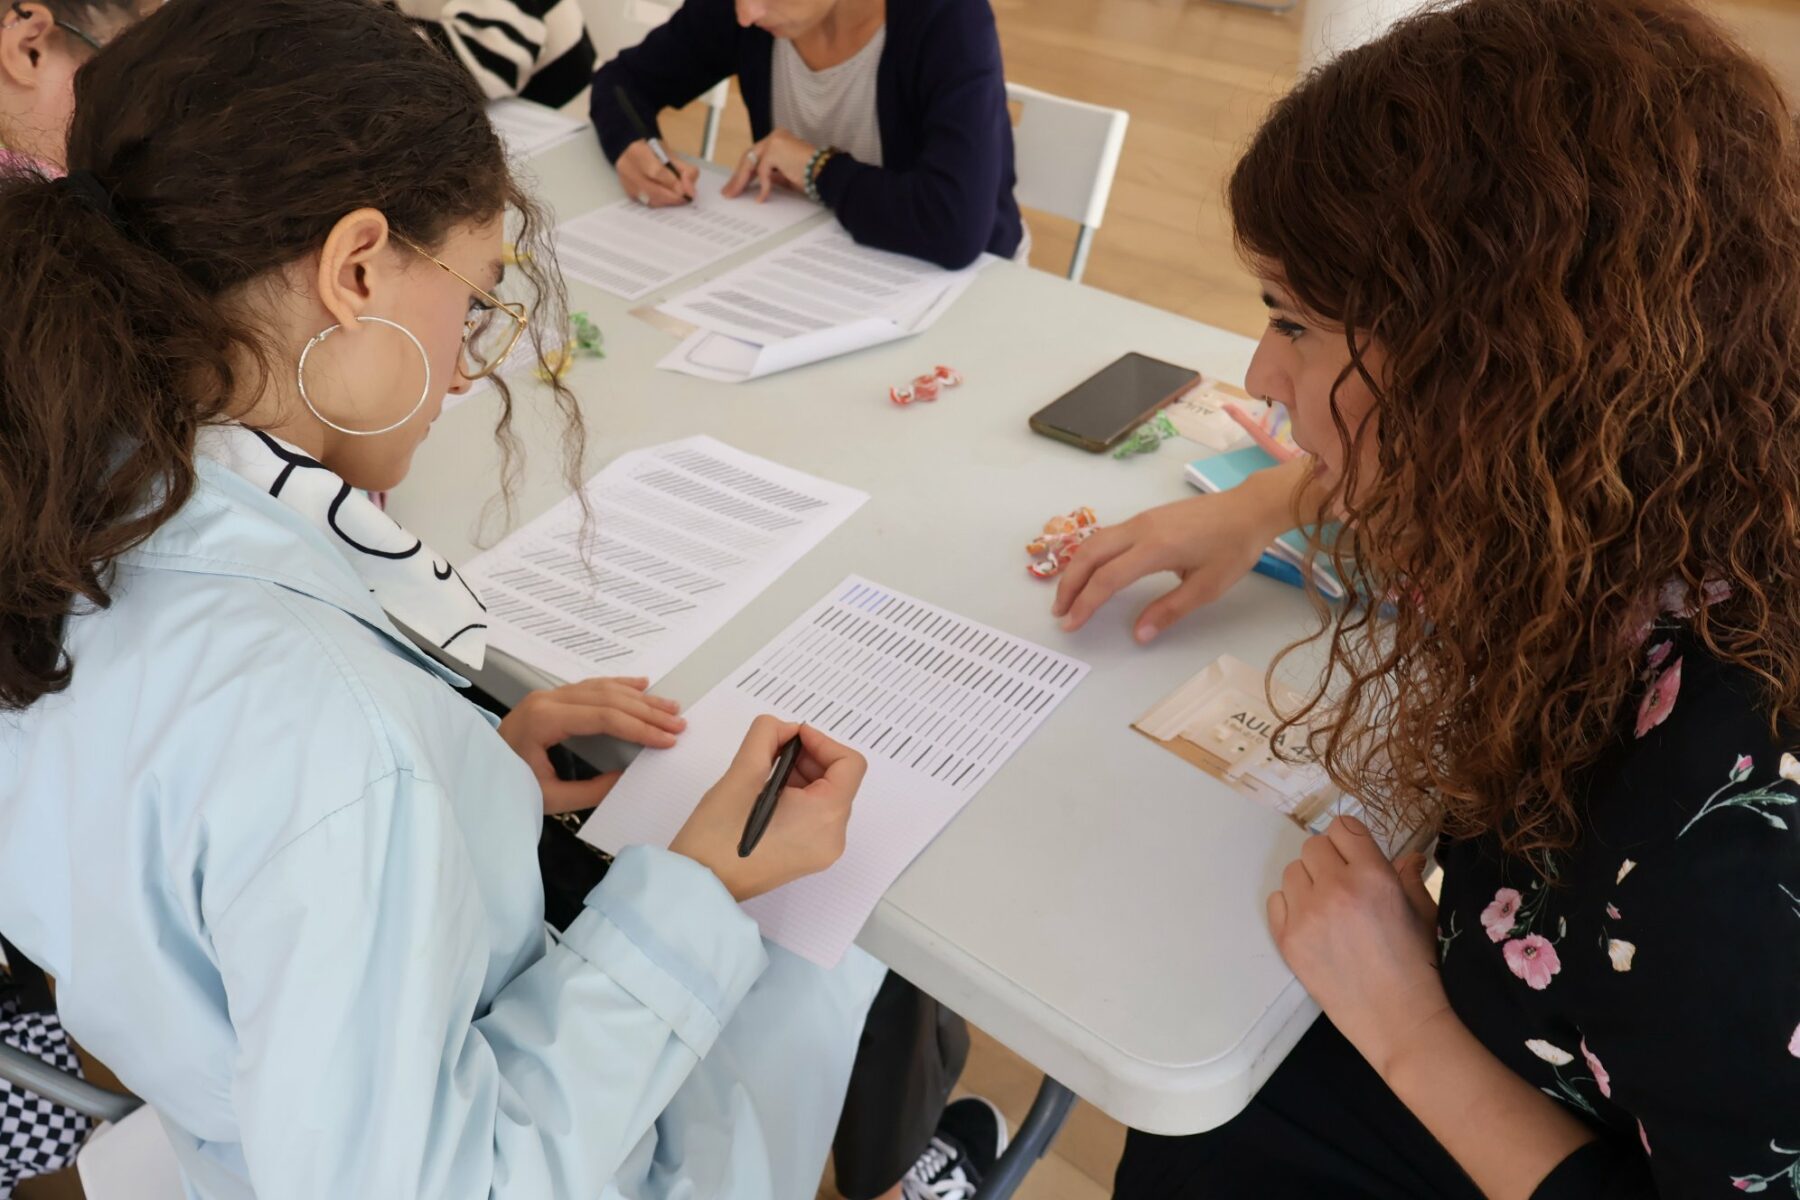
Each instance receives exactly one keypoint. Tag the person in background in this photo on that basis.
(282, 872)
(1533, 281)
(893, 116)
(42, 44)
(538, 50)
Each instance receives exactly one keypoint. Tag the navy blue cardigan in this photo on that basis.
(944, 191)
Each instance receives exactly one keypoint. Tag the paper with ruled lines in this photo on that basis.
(936, 702)
(631, 250)
(683, 536)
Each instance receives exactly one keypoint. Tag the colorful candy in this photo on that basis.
(926, 387)
(1052, 549)
(1147, 437)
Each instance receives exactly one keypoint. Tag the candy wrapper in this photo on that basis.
(1052, 549)
(926, 387)
(1147, 437)
(584, 341)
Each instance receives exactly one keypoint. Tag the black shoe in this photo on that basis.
(970, 1137)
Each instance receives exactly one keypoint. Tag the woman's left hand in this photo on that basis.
(780, 158)
(611, 707)
(1360, 932)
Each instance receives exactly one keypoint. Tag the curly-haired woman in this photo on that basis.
(1533, 279)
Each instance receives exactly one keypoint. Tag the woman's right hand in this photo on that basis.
(806, 834)
(1210, 542)
(647, 181)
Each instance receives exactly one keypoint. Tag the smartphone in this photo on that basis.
(1099, 412)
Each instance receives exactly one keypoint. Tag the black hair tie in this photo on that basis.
(86, 187)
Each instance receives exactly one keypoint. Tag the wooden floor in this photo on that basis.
(1196, 76)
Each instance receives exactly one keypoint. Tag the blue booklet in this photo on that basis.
(1285, 559)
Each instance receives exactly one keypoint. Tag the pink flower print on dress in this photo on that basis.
(1644, 1137)
(1621, 952)
(1659, 701)
(1533, 959)
(1600, 1076)
(1794, 1043)
(1659, 654)
(1499, 917)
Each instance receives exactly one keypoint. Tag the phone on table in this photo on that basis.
(1098, 413)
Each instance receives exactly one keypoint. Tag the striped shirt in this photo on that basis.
(535, 49)
(830, 107)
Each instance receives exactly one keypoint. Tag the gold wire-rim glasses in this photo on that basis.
(472, 327)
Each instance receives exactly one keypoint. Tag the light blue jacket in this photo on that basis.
(287, 881)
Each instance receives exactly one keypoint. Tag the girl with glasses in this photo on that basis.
(283, 872)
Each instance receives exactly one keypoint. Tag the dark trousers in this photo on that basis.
(912, 1049)
(1324, 1125)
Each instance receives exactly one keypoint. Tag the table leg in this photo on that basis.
(1042, 1124)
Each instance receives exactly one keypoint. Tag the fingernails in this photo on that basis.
(1068, 624)
(1143, 633)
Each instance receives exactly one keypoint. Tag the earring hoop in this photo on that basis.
(318, 338)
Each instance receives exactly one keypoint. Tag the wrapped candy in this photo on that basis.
(1052, 549)
(1147, 437)
(584, 341)
(926, 387)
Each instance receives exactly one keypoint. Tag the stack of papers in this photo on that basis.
(683, 536)
(936, 702)
(816, 297)
(631, 250)
(527, 129)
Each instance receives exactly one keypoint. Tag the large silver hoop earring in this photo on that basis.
(300, 378)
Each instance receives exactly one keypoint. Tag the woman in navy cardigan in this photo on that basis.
(934, 178)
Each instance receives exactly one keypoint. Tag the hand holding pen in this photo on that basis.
(646, 170)
(805, 822)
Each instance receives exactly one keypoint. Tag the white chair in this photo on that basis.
(1066, 153)
(615, 25)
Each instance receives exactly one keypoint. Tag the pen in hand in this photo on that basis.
(764, 808)
(646, 136)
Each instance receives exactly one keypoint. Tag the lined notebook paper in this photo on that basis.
(631, 250)
(684, 535)
(935, 701)
(526, 128)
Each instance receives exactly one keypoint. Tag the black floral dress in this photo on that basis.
(1650, 980)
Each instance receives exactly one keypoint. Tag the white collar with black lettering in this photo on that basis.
(419, 589)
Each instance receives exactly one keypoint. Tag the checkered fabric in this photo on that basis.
(36, 1136)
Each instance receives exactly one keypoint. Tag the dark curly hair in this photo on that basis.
(230, 136)
(1573, 229)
